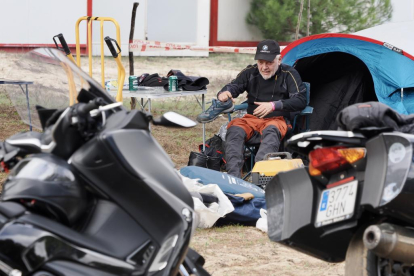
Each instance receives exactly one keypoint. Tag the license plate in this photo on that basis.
(337, 204)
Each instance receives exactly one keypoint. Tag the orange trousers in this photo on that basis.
(250, 124)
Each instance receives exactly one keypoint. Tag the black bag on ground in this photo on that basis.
(200, 159)
(212, 157)
(214, 147)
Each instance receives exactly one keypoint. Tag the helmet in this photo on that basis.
(47, 185)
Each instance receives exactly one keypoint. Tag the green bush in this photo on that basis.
(277, 19)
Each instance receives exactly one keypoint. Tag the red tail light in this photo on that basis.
(327, 159)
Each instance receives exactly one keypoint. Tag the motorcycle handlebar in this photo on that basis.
(63, 43)
(85, 108)
(111, 47)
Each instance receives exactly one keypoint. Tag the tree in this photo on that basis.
(277, 19)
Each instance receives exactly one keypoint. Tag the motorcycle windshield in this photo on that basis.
(46, 77)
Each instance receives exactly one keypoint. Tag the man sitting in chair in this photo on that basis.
(274, 90)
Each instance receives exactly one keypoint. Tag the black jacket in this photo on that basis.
(285, 89)
(374, 114)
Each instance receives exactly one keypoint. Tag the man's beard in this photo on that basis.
(265, 77)
(268, 76)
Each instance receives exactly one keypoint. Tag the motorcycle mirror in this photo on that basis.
(172, 119)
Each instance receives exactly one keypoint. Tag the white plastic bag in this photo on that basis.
(208, 215)
(262, 222)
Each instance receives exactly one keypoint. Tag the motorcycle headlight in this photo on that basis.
(194, 223)
(161, 259)
(167, 248)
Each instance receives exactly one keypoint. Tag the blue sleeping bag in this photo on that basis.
(227, 183)
(246, 212)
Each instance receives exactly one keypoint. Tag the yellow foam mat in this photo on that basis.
(273, 167)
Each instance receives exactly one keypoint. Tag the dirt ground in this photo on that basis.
(231, 250)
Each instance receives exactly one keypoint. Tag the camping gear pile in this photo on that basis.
(343, 69)
(246, 198)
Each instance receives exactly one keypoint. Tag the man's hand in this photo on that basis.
(263, 109)
(224, 96)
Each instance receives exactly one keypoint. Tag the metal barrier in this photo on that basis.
(121, 70)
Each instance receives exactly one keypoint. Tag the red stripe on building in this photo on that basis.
(213, 22)
(23, 48)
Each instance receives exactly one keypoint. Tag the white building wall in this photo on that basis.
(182, 21)
(37, 21)
(232, 24)
(403, 10)
(121, 11)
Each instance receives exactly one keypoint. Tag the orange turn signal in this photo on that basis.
(353, 154)
(313, 171)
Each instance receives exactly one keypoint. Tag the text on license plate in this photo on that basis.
(337, 204)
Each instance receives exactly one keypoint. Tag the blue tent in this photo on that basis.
(346, 69)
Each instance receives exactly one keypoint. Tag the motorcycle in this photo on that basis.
(353, 203)
(94, 193)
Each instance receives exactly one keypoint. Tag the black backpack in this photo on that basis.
(212, 157)
(214, 147)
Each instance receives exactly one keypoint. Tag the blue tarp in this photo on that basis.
(227, 183)
(390, 69)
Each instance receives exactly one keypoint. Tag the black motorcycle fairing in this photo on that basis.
(387, 171)
(108, 220)
(144, 167)
(48, 184)
(133, 119)
(11, 209)
(26, 247)
(66, 268)
(194, 262)
(398, 185)
(145, 184)
(138, 181)
(312, 241)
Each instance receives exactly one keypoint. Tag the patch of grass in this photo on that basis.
(4, 99)
(227, 228)
(3, 177)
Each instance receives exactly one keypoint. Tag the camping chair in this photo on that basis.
(301, 121)
(298, 127)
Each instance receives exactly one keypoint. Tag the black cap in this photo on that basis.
(267, 49)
